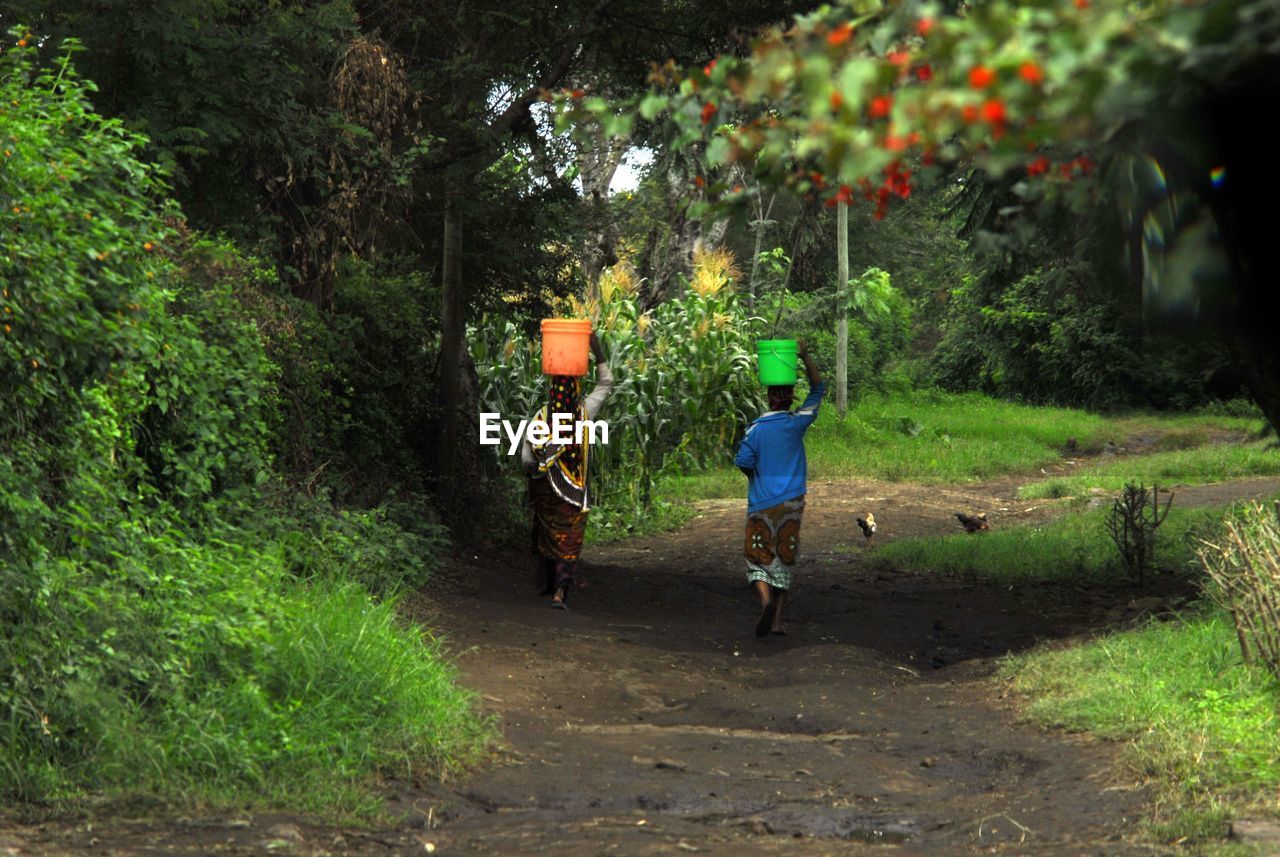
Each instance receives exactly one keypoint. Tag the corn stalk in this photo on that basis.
(684, 377)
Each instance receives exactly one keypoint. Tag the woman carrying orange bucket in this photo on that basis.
(558, 471)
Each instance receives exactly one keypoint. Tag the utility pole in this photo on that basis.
(842, 326)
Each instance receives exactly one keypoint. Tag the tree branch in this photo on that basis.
(518, 109)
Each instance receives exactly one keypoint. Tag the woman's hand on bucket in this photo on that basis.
(596, 348)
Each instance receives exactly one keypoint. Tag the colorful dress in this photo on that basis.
(558, 477)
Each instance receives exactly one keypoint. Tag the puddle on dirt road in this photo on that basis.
(797, 819)
(836, 823)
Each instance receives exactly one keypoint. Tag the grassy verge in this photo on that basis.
(231, 681)
(928, 437)
(940, 438)
(1199, 465)
(932, 437)
(1072, 548)
(1200, 723)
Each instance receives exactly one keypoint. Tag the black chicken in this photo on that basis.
(973, 523)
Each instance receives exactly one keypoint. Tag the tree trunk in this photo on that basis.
(842, 288)
(597, 165)
(452, 350)
(762, 218)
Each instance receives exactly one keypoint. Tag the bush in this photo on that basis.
(200, 669)
(154, 634)
(1046, 338)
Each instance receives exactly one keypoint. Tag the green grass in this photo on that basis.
(1203, 464)
(940, 438)
(348, 692)
(231, 683)
(1072, 548)
(929, 437)
(1245, 421)
(932, 437)
(1201, 724)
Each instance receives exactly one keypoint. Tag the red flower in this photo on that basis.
(576, 94)
(708, 68)
(1038, 167)
(817, 179)
(924, 72)
(840, 34)
(969, 113)
(924, 26)
(837, 100)
(708, 112)
(1082, 4)
(844, 194)
(880, 107)
(901, 59)
(1031, 73)
(894, 143)
(980, 77)
(993, 111)
(699, 181)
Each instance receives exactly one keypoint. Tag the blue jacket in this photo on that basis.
(772, 453)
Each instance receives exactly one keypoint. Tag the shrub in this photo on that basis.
(146, 640)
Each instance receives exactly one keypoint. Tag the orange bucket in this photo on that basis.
(566, 345)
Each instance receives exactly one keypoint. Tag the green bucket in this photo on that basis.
(777, 361)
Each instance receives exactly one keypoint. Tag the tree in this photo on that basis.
(888, 95)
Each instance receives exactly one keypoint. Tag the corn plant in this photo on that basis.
(684, 376)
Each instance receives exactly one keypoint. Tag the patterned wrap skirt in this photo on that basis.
(558, 525)
(773, 543)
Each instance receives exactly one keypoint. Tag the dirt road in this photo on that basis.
(648, 719)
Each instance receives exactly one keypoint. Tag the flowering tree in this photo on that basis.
(865, 100)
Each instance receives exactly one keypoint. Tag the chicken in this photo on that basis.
(973, 523)
(867, 523)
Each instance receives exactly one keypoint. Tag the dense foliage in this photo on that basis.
(685, 378)
(159, 628)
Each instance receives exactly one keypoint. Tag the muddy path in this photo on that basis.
(648, 719)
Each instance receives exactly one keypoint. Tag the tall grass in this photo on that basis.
(206, 670)
(348, 690)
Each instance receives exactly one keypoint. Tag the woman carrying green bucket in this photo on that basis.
(772, 456)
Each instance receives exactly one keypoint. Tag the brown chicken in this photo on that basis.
(973, 523)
